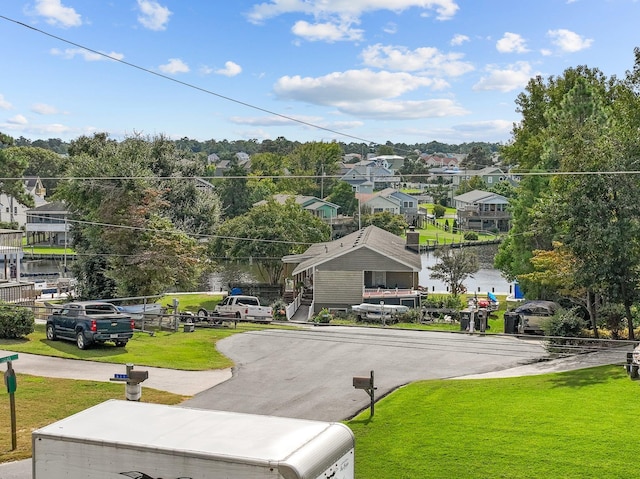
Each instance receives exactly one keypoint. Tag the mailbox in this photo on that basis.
(362, 382)
(138, 376)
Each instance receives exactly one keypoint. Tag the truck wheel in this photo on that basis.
(120, 344)
(51, 333)
(81, 341)
(203, 314)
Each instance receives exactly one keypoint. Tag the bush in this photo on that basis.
(412, 316)
(565, 324)
(323, 317)
(439, 211)
(279, 310)
(15, 321)
(471, 236)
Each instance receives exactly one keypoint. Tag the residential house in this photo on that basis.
(318, 207)
(370, 171)
(370, 265)
(222, 166)
(48, 223)
(12, 288)
(482, 211)
(374, 203)
(13, 212)
(491, 175)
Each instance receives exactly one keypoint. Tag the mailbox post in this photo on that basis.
(366, 383)
(133, 388)
(12, 385)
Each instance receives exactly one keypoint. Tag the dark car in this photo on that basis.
(89, 322)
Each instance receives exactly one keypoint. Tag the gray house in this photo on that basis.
(482, 211)
(370, 265)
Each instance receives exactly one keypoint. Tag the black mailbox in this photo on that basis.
(362, 382)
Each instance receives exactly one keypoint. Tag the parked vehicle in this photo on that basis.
(379, 312)
(89, 322)
(532, 315)
(150, 441)
(239, 308)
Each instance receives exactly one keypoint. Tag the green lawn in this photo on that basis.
(579, 424)
(189, 351)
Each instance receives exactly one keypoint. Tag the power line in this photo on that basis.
(189, 85)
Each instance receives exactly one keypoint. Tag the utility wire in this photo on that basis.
(189, 85)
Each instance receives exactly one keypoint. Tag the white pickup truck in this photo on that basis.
(239, 308)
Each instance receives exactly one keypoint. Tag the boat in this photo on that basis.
(379, 311)
(140, 311)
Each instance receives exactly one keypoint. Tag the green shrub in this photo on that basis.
(439, 211)
(323, 317)
(412, 316)
(15, 321)
(564, 324)
(471, 236)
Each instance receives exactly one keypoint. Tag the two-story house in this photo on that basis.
(482, 211)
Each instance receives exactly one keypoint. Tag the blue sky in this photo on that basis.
(410, 71)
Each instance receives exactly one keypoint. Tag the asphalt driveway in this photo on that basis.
(309, 373)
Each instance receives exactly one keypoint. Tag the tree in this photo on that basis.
(266, 233)
(13, 163)
(454, 266)
(320, 162)
(343, 195)
(46, 164)
(477, 158)
(123, 222)
(233, 191)
(387, 221)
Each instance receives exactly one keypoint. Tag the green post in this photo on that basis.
(12, 385)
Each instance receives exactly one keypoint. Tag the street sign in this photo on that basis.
(6, 359)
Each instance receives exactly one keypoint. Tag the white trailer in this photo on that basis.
(118, 439)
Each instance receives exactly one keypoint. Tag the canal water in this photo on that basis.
(486, 279)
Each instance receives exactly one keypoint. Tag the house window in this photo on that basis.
(490, 179)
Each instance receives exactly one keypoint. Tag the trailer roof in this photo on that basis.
(181, 430)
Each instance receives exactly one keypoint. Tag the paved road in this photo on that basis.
(308, 373)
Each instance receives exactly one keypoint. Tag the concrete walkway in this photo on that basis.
(187, 383)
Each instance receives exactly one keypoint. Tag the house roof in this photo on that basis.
(371, 238)
(53, 207)
(307, 202)
(479, 196)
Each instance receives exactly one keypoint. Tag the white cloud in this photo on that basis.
(4, 104)
(174, 66)
(329, 32)
(44, 109)
(391, 28)
(70, 53)
(505, 80)
(445, 9)
(230, 69)
(459, 39)
(18, 120)
(352, 85)
(510, 43)
(334, 18)
(569, 41)
(402, 110)
(57, 14)
(365, 93)
(153, 15)
(424, 59)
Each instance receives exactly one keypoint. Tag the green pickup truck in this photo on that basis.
(90, 322)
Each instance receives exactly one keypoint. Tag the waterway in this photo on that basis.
(486, 279)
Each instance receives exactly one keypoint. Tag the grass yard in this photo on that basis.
(189, 351)
(579, 424)
(41, 401)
